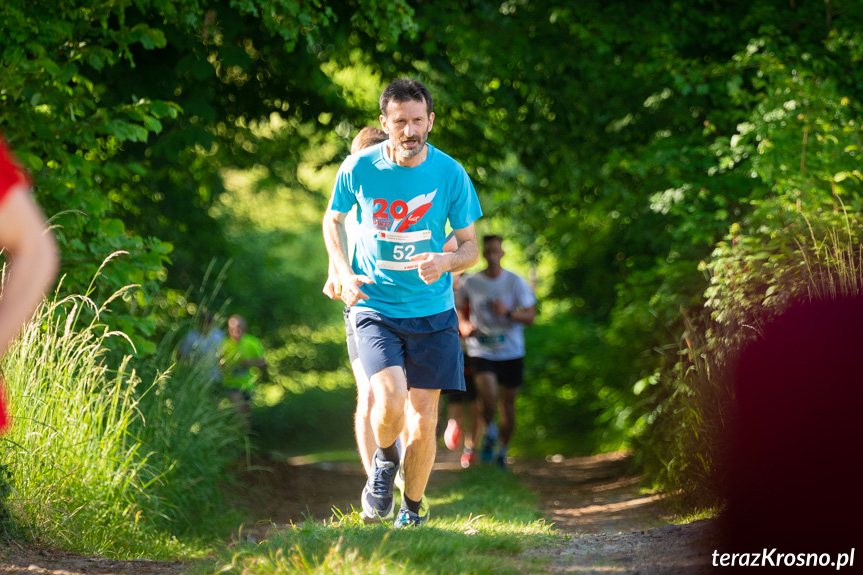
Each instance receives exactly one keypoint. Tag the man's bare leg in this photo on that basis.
(388, 420)
(363, 418)
(506, 420)
(405, 434)
(388, 413)
(422, 409)
(486, 395)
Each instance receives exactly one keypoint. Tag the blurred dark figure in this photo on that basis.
(202, 346)
(793, 476)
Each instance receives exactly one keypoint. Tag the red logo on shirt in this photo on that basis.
(399, 215)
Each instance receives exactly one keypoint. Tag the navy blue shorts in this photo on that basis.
(427, 348)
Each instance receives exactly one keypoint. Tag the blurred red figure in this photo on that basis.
(792, 479)
(28, 247)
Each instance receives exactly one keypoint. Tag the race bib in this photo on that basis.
(492, 340)
(395, 249)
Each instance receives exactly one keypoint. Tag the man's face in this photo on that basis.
(492, 251)
(236, 328)
(408, 125)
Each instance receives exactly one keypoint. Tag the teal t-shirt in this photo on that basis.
(403, 212)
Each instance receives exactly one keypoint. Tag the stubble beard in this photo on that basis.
(406, 153)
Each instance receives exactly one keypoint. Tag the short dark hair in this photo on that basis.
(368, 136)
(406, 90)
(492, 238)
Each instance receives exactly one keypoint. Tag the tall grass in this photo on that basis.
(110, 459)
(192, 437)
(75, 468)
(754, 278)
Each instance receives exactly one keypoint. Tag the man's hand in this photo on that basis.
(498, 308)
(333, 287)
(351, 292)
(466, 328)
(432, 266)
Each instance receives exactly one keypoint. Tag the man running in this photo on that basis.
(400, 288)
(28, 247)
(366, 446)
(500, 305)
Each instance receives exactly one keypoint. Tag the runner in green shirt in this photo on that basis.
(242, 360)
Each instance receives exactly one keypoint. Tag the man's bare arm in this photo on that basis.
(333, 287)
(467, 253)
(525, 315)
(336, 240)
(434, 265)
(34, 261)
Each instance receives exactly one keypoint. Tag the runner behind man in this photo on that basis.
(368, 136)
(501, 304)
(29, 249)
(400, 288)
(462, 407)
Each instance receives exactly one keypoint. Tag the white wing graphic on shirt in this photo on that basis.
(415, 206)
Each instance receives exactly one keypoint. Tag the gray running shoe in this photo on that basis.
(400, 484)
(407, 518)
(377, 496)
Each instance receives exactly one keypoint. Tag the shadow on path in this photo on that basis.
(611, 525)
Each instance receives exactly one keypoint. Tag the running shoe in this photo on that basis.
(452, 435)
(486, 450)
(468, 458)
(407, 518)
(500, 461)
(377, 496)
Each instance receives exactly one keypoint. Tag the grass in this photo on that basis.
(480, 523)
(120, 460)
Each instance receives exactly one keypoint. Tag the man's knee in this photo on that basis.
(389, 388)
(391, 407)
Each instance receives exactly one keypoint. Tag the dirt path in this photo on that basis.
(608, 524)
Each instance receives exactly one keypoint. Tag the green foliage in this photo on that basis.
(300, 421)
(799, 240)
(127, 152)
(73, 463)
(567, 404)
(66, 135)
(7, 523)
